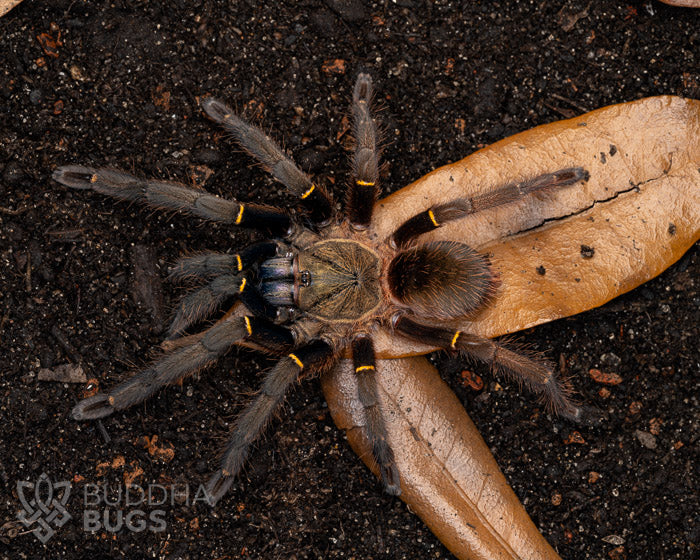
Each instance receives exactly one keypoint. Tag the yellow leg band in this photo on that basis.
(239, 263)
(432, 218)
(307, 193)
(242, 286)
(297, 361)
(364, 368)
(240, 214)
(455, 337)
(364, 183)
(247, 325)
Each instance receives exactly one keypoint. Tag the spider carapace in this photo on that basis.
(320, 287)
(335, 280)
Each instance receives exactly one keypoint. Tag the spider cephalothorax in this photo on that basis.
(321, 287)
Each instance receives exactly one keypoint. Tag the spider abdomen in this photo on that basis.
(442, 279)
(342, 280)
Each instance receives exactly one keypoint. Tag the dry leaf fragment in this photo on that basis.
(605, 378)
(7, 5)
(448, 474)
(638, 213)
(683, 3)
(336, 66)
(574, 438)
(163, 452)
(65, 373)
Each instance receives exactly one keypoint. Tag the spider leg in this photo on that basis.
(203, 301)
(252, 421)
(438, 215)
(537, 375)
(167, 195)
(365, 163)
(204, 265)
(200, 351)
(313, 197)
(364, 364)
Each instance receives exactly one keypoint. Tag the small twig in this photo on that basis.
(580, 506)
(566, 113)
(4, 319)
(28, 274)
(11, 212)
(67, 234)
(570, 102)
(67, 346)
(103, 431)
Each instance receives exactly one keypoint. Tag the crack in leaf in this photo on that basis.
(633, 187)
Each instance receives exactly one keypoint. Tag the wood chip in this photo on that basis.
(66, 373)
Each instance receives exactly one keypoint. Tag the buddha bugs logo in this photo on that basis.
(108, 508)
(45, 508)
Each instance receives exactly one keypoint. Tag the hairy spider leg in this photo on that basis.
(202, 302)
(313, 356)
(230, 280)
(198, 352)
(438, 215)
(314, 198)
(211, 263)
(536, 374)
(167, 195)
(365, 370)
(365, 162)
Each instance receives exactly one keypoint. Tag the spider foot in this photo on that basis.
(390, 479)
(94, 407)
(218, 485)
(74, 176)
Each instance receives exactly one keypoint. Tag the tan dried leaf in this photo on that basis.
(683, 3)
(639, 212)
(448, 474)
(7, 5)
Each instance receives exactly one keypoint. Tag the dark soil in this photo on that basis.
(77, 268)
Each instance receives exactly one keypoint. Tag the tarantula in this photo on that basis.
(321, 287)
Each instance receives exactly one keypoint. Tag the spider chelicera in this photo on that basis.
(321, 286)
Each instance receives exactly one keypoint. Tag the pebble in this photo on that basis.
(646, 439)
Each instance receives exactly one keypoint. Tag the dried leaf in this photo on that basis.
(639, 212)
(448, 474)
(605, 377)
(7, 5)
(683, 3)
(65, 373)
(556, 256)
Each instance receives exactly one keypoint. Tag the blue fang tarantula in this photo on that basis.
(321, 287)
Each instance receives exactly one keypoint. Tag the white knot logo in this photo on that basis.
(42, 508)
